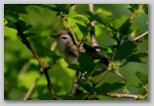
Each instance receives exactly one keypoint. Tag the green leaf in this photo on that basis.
(134, 27)
(107, 87)
(86, 62)
(11, 25)
(57, 7)
(137, 57)
(103, 16)
(124, 29)
(86, 86)
(71, 97)
(81, 18)
(83, 29)
(125, 50)
(145, 8)
(12, 11)
(29, 34)
(142, 91)
(76, 67)
(51, 54)
(122, 25)
(138, 85)
(98, 72)
(90, 16)
(143, 78)
(27, 27)
(133, 7)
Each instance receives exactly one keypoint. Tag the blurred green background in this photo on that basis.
(21, 69)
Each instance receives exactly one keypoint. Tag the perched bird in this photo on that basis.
(70, 51)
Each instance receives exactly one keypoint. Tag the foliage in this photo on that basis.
(114, 32)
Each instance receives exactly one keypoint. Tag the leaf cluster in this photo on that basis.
(120, 30)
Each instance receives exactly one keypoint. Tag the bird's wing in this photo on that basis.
(96, 55)
(72, 50)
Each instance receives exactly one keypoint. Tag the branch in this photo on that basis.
(53, 46)
(32, 87)
(115, 95)
(103, 75)
(92, 32)
(140, 36)
(26, 42)
(29, 92)
(25, 67)
(75, 87)
(71, 30)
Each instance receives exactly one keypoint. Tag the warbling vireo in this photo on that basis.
(70, 51)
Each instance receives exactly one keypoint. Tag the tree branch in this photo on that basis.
(26, 42)
(75, 87)
(73, 35)
(140, 36)
(92, 32)
(29, 92)
(104, 74)
(53, 46)
(115, 95)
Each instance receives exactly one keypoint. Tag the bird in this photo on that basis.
(70, 51)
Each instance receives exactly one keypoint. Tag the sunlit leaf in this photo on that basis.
(122, 25)
(83, 29)
(103, 16)
(81, 18)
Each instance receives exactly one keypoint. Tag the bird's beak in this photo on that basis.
(54, 36)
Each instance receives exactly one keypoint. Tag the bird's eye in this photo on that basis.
(64, 37)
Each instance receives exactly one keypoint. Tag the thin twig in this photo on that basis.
(71, 30)
(95, 84)
(53, 46)
(92, 32)
(75, 83)
(115, 95)
(25, 67)
(103, 75)
(26, 42)
(28, 94)
(140, 36)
